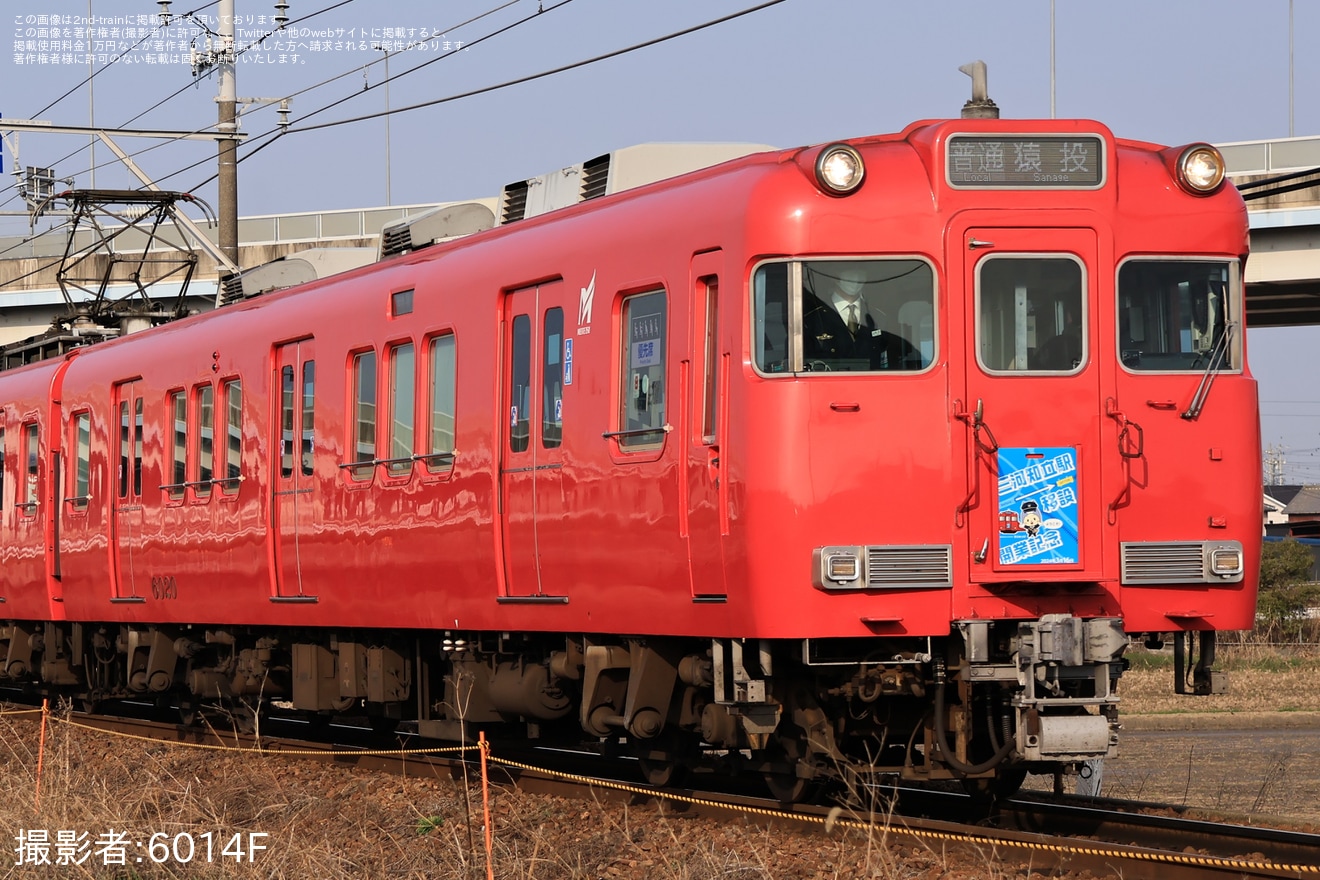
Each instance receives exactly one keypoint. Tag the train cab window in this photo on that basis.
(1030, 314)
(642, 409)
(520, 390)
(552, 380)
(830, 316)
(1178, 314)
(232, 394)
(364, 414)
(205, 454)
(2, 468)
(440, 452)
(124, 449)
(178, 410)
(403, 396)
(32, 453)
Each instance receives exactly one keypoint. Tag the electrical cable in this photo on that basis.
(496, 87)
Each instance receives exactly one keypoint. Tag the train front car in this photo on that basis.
(999, 423)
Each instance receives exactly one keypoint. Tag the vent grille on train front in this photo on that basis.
(595, 177)
(1169, 562)
(909, 566)
(513, 205)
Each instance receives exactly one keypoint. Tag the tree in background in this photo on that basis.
(1287, 593)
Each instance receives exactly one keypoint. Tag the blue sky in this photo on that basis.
(800, 71)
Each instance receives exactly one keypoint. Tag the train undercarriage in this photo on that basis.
(985, 705)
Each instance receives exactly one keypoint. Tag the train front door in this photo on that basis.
(293, 507)
(536, 527)
(129, 577)
(1032, 330)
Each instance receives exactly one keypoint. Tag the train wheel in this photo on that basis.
(661, 760)
(1006, 782)
(786, 752)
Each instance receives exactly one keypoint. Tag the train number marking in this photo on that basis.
(164, 587)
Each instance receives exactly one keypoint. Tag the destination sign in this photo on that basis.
(1024, 162)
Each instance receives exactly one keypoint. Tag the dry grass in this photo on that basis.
(331, 821)
(1260, 680)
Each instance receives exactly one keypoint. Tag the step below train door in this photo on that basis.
(1029, 408)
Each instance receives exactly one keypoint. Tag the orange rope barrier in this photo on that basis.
(41, 751)
(485, 805)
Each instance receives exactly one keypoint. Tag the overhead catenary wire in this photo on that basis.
(172, 95)
(497, 86)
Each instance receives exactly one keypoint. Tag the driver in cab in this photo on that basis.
(839, 330)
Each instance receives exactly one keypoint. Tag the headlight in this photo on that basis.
(1200, 168)
(1226, 561)
(838, 567)
(839, 169)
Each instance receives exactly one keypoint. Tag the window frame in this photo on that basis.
(361, 469)
(80, 462)
(440, 462)
(179, 444)
(795, 355)
(233, 478)
(1234, 314)
(627, 441)
(1084, 278)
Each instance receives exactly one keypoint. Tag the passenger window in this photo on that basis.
(403, 395)
(33, 455)
(642, 409)
(124, 448)
(137, 446)
(286, 421)
(710, 364)
(205, 440)
(552, 380)
(308, 462)
(233, 394)
(364, 414)
(2, 468)
(82, 461)
(1030, 315)
(520, 394)
(440, 453)
(178, 409)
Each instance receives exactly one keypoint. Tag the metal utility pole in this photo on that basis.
(389, 190)
(227, 99)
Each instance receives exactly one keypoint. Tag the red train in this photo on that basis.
(863, 457)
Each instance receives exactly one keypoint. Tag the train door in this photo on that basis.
(128, 516)
(706, 493)
(293, 507)
(537, 543)
(1032, 380)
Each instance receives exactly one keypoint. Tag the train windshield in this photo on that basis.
(829, 316)
(1173, 314)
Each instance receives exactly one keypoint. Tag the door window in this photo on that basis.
(1030, 315)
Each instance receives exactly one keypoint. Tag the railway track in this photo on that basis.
(1066, 834)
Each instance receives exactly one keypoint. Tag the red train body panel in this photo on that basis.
(631, 434)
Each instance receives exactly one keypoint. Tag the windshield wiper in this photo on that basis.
(1217, 356)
